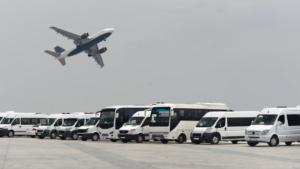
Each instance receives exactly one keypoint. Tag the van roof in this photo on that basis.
(26, 115)
(232, 114)
(128, 106)
(276, 110)
(201, 105)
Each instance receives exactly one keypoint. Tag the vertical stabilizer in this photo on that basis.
(59, 49)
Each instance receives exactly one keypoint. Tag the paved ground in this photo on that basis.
(23, 152)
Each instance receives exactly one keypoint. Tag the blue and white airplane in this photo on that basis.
(85, 43)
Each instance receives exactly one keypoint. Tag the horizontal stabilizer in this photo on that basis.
(62, 61)
(59, 49)
(52, 53)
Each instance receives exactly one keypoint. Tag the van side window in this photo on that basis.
(293, 119)
(147, 121)
(238, 122)
(58, 122)
(222, 122)
(282, 119)
(17, 121)
(81, 122)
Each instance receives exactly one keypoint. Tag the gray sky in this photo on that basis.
(242, 53)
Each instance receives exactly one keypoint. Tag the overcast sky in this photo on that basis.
(242, 53)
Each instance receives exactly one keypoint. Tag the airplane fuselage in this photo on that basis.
(95, 39)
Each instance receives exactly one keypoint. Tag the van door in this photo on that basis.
(145, 128)
(221, 127)
(16, 126)
(282, 129)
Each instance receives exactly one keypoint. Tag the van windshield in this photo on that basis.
(265, 119)
(7, 120)
(135, 121)
(207, 122)
(92, 121)
(48, 122)
(69, 122)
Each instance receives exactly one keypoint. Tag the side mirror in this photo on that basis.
(279, 123)
(252, 122)
(218, 125)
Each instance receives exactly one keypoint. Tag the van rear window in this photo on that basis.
(293, 119)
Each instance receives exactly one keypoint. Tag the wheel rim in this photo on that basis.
(215, 139)
(140, 138)
(10, 134)
(95, 137)
(273, 141)
(53, 135)
(75, 136)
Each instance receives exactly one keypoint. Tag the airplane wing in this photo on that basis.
(77, 39)
(96, 55)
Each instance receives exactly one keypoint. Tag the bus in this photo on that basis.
(113, 118)
(175, 122)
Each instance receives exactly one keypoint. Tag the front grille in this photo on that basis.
(61, 132)
(81, 130)
(1, 128)
(123, 131)
(197, 134)
(253, 137)
(40, 131)
(105, 134)
(253, 132)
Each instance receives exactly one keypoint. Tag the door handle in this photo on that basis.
(20, 126)
(225, 128)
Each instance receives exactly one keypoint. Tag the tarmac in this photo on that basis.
(25, 152)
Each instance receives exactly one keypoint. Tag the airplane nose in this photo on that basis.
(111, 30)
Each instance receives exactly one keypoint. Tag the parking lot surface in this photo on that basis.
(23, 152)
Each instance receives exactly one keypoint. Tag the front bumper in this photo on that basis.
(65, 134)
(85, 135)
(3, 132)
(45, 133)
(258, 138)
(127, 136)
(204, 137)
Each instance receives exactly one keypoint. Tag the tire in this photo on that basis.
(95, 137)
(124, 141)
(234, 142)
(165, 141)
(83, 139)
(10, 134)
(1, 136)
(62, 138)
(32, 136)
(114, 140)
(74, 136)
(197, 142)
(252, 144)
(273, 141)
(155, 140)
(180, 139)
(215, 139)
(53, 135)
(288, 143)
(139, 138)
(41, 137)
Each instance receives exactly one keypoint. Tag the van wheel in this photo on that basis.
(197, 142)
(215, 139)
(234, 142)
(41, 137)
(83, 139)
(10, 134)
(32, 136)
(62, 138)
(124, 141)
(74, 136)
(288, 143)
(139, 138)
(53, 135)
(155, 140)
(95, 137)
(273, 141)
(165, 141)
(113, 140)
(181, 139)
(252, 144)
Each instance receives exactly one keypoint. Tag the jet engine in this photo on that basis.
(84, 36)
(102, 50)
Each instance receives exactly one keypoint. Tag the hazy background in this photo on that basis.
(242, 53)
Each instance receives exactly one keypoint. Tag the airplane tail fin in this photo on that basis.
(59, 49)
(62, 61)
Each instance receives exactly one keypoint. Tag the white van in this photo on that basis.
(21, 124)
(72, 123)
(223, 126)
(137, 128)
(90, 130)
(50, 127)
(274, 125)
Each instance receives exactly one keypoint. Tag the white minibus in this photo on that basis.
(223, 126)
(72, 123)
(50, 127)
(137, 128)
(112, 119)
(175, 122)
(90, 130)
(21, 124)
(274, 125)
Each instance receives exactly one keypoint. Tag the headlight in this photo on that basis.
(131, 131)
(265, 132)
(208, 129)
(245, 132)
(68, 129)
(191, 134)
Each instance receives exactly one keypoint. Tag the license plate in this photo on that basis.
(60, 135)
(122, 137)
(158, 138)
(251, 139)
(39, 134)
(196, 138)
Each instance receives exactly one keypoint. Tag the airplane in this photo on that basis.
(85, 43)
